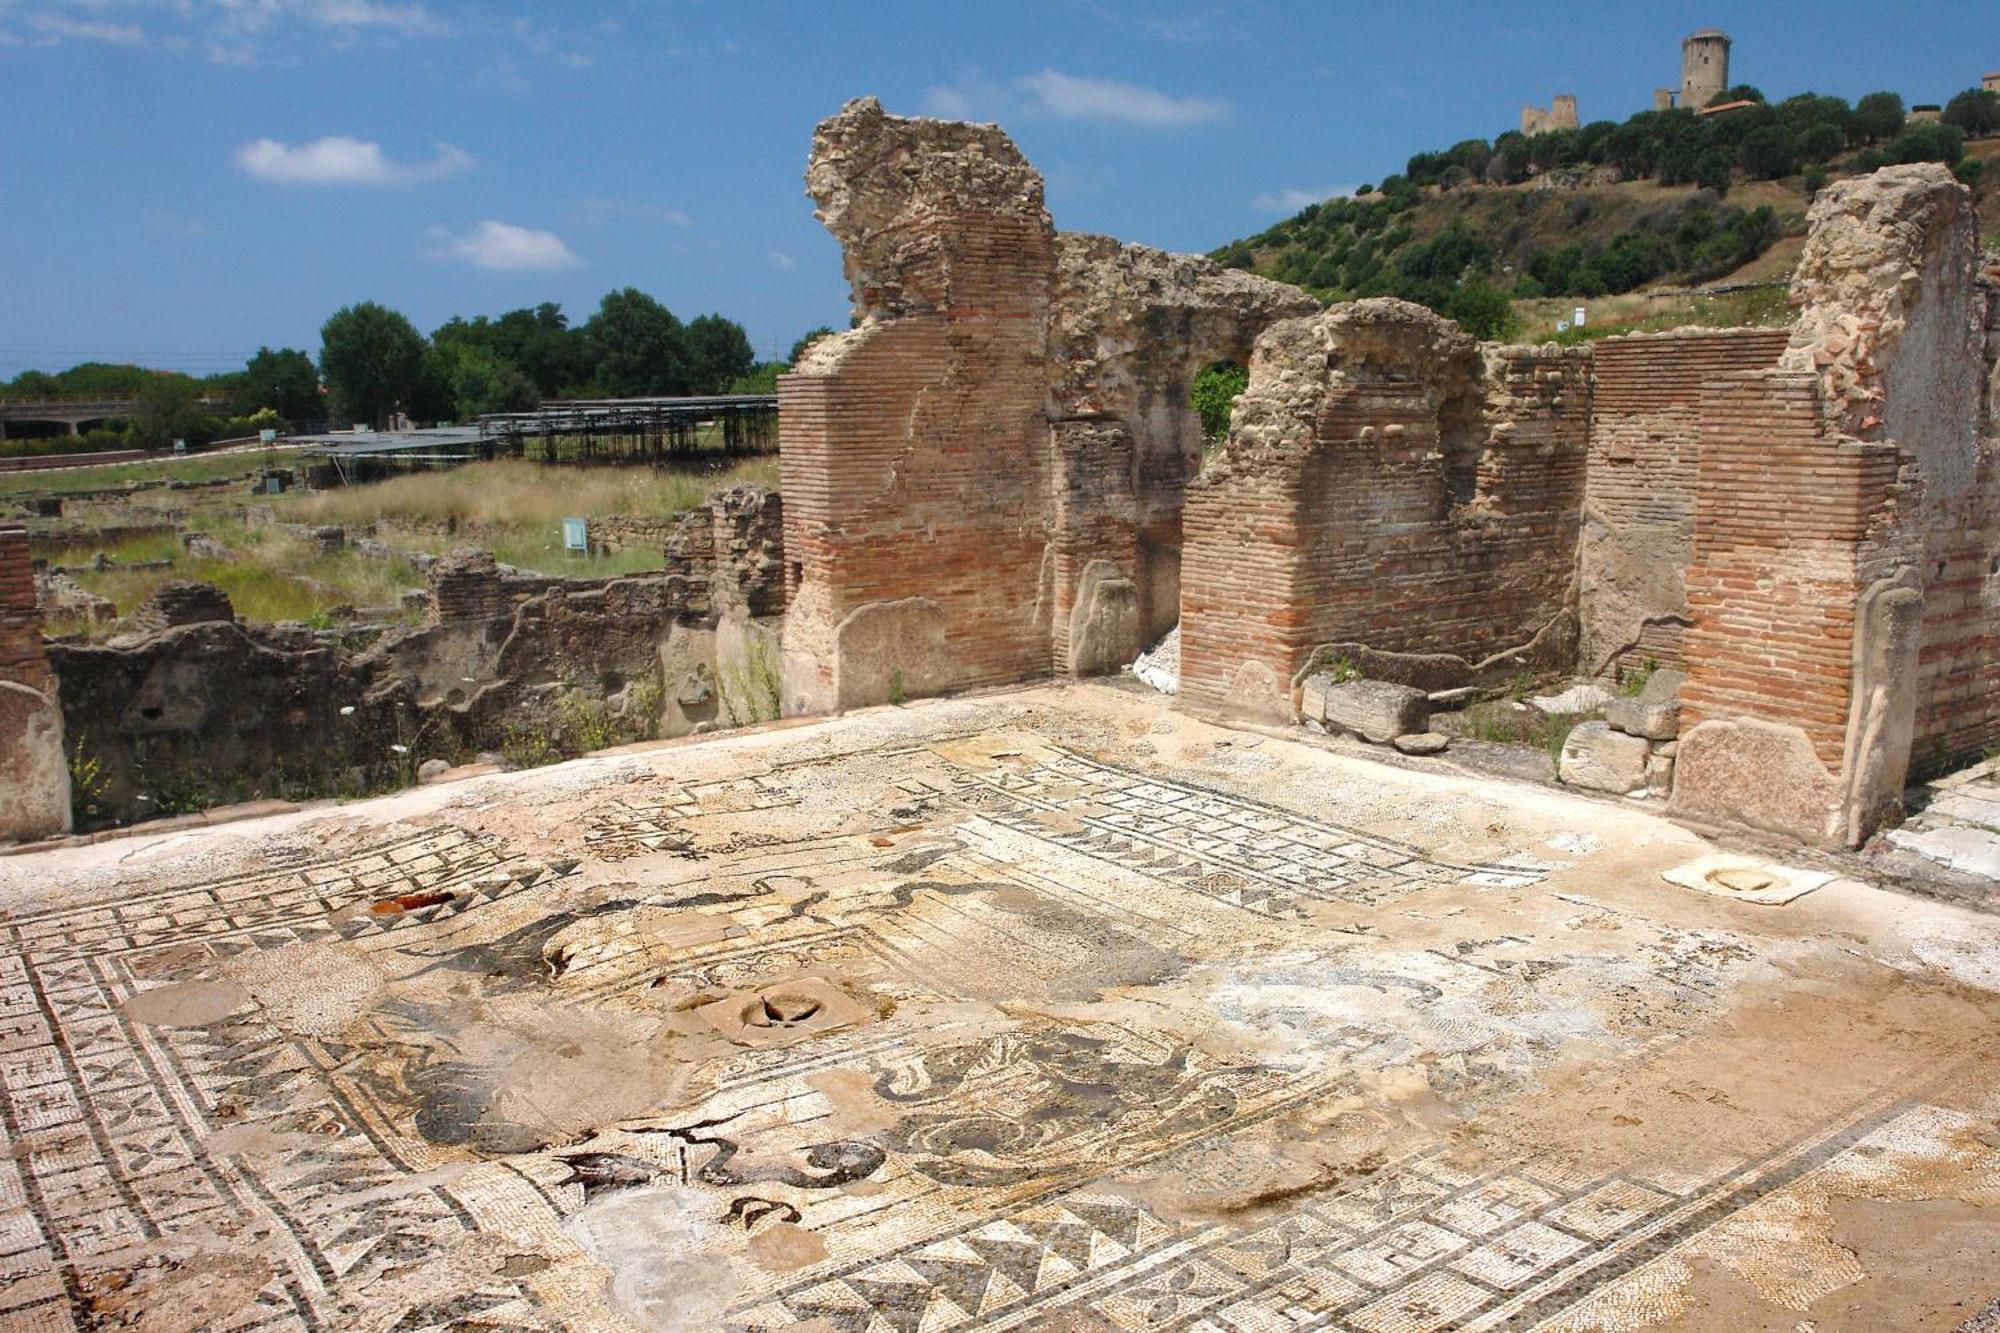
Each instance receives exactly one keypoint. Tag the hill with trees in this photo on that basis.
(1665, 197)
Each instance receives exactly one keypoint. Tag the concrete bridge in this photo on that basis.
(79, 410)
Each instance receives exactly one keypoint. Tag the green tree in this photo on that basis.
(718, 352)
(169, 409)
(1976, 111)
(284, 381)
(1742, 92)
(637, 346)
(1213, 395)
(1481, 309)
(477, 382)
(1768, 153)
(1821, 141)
(373, 361)
(760, 378)
(1878, 117)
(1711, 171)
(1929, 143)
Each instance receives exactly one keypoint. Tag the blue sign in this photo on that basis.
(576, 535)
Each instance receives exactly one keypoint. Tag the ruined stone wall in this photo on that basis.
(1639, 500)
(197, 708)
(983, 481)
(914, 449)
(34, 776)
(1843, 625)
(1893, 324)
(1391, 491)
(1129, 328)
(1785, 514)
(736, 544)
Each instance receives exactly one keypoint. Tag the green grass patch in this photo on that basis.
(197, 467)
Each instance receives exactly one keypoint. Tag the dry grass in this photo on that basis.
(1653, 312)
(511, 493)
(268, 575)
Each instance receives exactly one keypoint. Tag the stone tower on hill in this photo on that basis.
(1704, 67)
(1559, 115)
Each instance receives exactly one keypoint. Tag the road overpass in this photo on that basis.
(78, 410)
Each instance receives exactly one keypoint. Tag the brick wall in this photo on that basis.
(21, 657)
(1958, 697)
(1638, 526)
(466, 586)
(1791, 526)
(1096, 513)
(917, 468)
(1426, 515)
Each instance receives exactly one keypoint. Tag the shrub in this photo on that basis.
(1768, 153)
(1711, 171)
(1482, 310)
(1213, 395)
(1929, 143)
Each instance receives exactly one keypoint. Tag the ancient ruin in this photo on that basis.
(1062, 1003)
(984, 480)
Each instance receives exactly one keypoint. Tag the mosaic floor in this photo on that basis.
(1052, 1010)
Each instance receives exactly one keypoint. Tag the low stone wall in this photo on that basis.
(196, 708)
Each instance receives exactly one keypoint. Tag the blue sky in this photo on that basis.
(184, 180)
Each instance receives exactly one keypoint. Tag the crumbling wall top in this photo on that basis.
(1298, 362)
(1889, 260)
(877, 181)
(1122, 312)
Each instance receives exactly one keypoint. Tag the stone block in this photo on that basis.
(1659, 774)
(1374, 710)
(1423, 742)
(1597, 758)
(1654, 713)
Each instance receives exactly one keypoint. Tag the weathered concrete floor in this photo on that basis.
(1958, 827)
(1047, 1010)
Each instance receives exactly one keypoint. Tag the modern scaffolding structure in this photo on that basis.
(597, 430)
(625, 430)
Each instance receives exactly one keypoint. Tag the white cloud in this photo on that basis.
(224, 31)
(1067, 97)
(53, 28)
(782, 260)
(410, 20)
(506, 247)
(340, 160)
(1072, 97)
(1292, 200)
